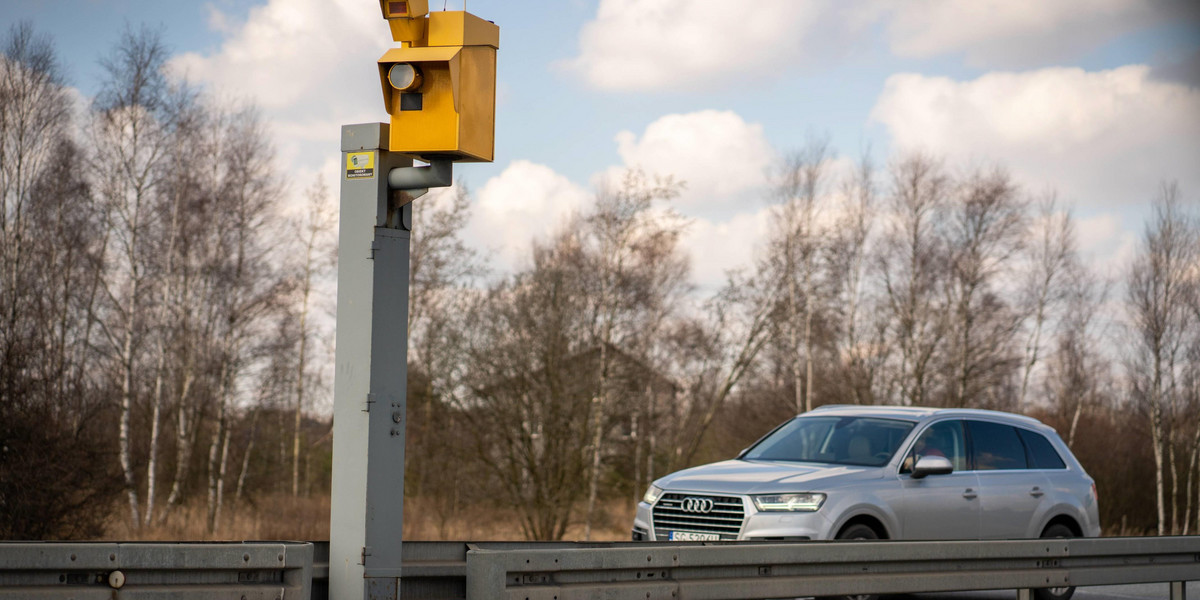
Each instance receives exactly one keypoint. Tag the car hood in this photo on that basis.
(765, 477)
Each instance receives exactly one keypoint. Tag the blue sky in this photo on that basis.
(1097, 99)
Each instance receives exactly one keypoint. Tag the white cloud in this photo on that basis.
(1101, 138)
(635, 45)
(526, 201)
(1106, 243)
(1017, 33)
(664, 44)
(310, 66)
(718, 247)
(720, 157)
(716, 153)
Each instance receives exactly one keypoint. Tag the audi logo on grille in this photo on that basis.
(697, 505)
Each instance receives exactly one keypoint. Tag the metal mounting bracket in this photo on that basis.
(417, 180)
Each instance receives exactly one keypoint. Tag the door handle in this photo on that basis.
(969, 494)
(1036, 492)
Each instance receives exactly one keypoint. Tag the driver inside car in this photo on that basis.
(926, 445)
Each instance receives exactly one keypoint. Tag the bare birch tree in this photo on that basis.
(1051, 257)
(530, 408)
(34, 117)
(247, 290)
(166, 308)
(1159, 318)
(129, 133)
(635, 263)
(796, 245)
(56, 477)
(442, 269)
(711, 355)
(984, 232)
(316, 234)
(195, 325)
(1076, 372)
(860, 347)
(912, 265)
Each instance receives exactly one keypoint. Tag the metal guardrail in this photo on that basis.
(438, 570)
(828, 569)
(734, 570)
(567, 570)
(136, 570)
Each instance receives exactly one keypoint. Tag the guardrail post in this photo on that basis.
(1178, 590)
(486, 574)
(1024, 594)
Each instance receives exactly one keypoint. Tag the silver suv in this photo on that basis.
(857, 472)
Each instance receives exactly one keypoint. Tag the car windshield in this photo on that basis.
(861, 441)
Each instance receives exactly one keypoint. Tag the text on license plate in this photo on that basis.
(687, 536)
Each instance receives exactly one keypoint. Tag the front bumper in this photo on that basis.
(756, 525)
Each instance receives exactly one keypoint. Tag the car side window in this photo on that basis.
(996, 446)
(1042, 454)
(940, 439)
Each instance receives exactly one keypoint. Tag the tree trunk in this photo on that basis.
(221, 478)
(155, 417)
(1032, 347)
(1174, 484)
(1191, 472)
(652, 438)
(599, 403)
(1156, 435)
(298, 420)
(1074, 423)
(794, 333)
(241, 483)
(125, 431)
(808, 349)
(184, 444)
(637, 456)
(594, 480)
(165, 300)
(960, 396)
(300, 364)
(215, 466)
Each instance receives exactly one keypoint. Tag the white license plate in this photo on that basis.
(687, 536)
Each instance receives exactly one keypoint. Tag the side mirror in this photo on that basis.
(932, 465)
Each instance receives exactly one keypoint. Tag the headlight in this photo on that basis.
(789, 502)
(652, 494)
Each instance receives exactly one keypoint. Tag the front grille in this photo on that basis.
(725, 518)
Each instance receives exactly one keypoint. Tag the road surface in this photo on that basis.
(1143, 591)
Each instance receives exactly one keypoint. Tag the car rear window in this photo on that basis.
(996, 446)
(1042, 454)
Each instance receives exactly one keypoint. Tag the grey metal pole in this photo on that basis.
(371, 369)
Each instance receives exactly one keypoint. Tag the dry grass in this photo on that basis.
(282, 517)
(480, 523)
(275, 517)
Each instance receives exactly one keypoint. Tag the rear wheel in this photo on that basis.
(858, 531)
(1057, 530)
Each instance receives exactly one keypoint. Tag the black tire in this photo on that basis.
(1056, 530)
(858, 531)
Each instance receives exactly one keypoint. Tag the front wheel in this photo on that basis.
(857, 531)
(1057, 530)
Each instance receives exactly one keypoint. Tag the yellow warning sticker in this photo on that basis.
(360, 165)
